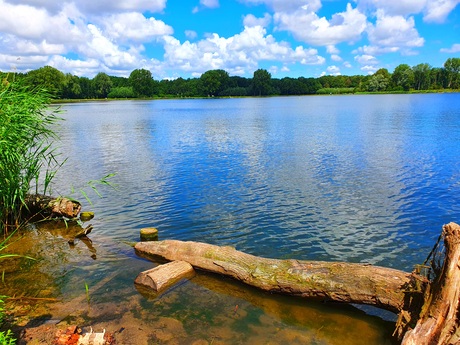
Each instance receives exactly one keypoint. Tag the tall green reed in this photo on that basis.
(27, 155)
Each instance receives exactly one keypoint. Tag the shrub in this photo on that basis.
(27, 157)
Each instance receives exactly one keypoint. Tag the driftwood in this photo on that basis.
(432, 306)
(330, 281)
(43, 206)
(164, 276)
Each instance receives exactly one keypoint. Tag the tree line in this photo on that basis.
(218, 83)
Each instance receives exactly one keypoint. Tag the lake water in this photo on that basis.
(345, 178)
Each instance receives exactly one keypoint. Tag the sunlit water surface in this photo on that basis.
(348, 178)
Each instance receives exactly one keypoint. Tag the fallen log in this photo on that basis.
(326, 281)
(428, 309)
(44, 206)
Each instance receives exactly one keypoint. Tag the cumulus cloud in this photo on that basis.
(308, 27)
(333, 70)
(394, 33)
(366, 59)
(98, 7)
(134, 26)
(438, 10)
(288, 6)
(191, 34)
(454, 49)
(237, 54)
(251, 20)
(206, 4)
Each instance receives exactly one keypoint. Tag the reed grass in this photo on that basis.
(27, 156)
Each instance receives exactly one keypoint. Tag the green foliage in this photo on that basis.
(142, 82)
(92, 184)
(121, 92)
(379, 82)
(214, 82)
(7, 338)
(262, 83)
(26, 150)
(48, 78)
(336, 91)
(102, 85)
(452, 66)
(403, 77)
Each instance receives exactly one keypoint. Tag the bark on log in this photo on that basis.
(44, 206)
(438, 323)
(164, 276)
(328, 281)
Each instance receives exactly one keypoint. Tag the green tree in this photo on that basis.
(378, 82)
(48, 78)
(403, 77)
(214, 81)
(262, 83)
(422, 76)
(71, 87)
(102, 85)
(452, 66)
(142, 82)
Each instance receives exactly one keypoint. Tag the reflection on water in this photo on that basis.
(350, 178)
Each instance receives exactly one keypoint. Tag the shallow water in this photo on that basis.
(349, 178)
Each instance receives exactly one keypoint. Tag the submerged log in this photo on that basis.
(430, 306)
(164, 276)
(327, 281)
(44, 206)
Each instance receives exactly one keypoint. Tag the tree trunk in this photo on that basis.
(438, 323)
(328, 281)
(432, 306)
(43, 206)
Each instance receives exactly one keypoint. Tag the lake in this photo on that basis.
(368, 178)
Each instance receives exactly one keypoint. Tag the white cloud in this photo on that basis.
(433, 10)
(285, 69)
(210, 3)
(190, 34)
(366, 59)
(237, 54)
(454, 49)
(395, 7)
(347, 64)
(331, 49)
(288, 6)
(333, 70)
(369, 69)
(251, 20)
(308, 27)
(97, 7)
(134, 26)
(335, 57)
(394, 33)
(438, 10)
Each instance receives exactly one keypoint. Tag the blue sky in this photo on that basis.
(185, 38)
